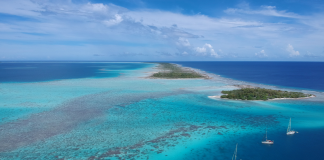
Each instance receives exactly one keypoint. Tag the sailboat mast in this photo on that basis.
(289, 126)
(266, 135)
(236, 151)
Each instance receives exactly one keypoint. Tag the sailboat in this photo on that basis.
(235, 153)
(289, 131)
(267, 141)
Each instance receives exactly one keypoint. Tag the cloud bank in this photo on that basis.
(66, 30)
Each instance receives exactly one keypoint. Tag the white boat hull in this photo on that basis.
(267, 142)
(291, 132)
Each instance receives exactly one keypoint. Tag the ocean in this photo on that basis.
(47, 71)
(301, 75)
(106, 110)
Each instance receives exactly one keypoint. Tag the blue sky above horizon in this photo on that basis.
(162, 30)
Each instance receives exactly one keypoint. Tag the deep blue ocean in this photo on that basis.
(302, 75)
(38, 71)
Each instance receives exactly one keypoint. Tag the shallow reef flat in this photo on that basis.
(132, 117)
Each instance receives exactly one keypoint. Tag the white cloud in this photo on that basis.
(269, 7)
(188, 22)
(206, 50)
(291, 50)
(311, 55)
(96, 7)
(21, 8)
(114, 21)
(264, 10)
(201, 49)
(261, 54)
(183, 42)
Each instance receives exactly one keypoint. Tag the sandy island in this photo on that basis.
(184, 69)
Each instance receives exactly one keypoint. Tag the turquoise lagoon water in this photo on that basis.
(131, 117)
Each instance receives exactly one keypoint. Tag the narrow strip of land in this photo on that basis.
(174, 71)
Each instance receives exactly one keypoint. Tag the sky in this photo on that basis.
(161, 30)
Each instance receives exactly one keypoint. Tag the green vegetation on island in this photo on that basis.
(261, 94)
(173, 71)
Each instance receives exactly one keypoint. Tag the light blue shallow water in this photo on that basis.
(131, 117)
